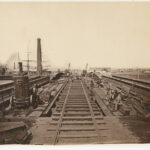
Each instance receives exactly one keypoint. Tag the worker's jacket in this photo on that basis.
(118, 98)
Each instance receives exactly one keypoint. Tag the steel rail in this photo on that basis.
(100, 103)
(142, 82)
(91, 111)
(130, 83)
(49, 107)
(61, 117)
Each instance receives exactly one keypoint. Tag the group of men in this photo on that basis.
(114, 97)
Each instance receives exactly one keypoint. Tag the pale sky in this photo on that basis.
(109, 34)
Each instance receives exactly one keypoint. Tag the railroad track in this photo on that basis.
(76, 119)
(131, 82)
(7, 90)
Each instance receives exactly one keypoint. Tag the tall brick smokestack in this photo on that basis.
(20, 67)
(39, 57)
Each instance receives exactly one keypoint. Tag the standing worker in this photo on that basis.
(35, 96)
(92, 84)
(118, 100)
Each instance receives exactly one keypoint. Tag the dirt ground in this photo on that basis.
(139, 127)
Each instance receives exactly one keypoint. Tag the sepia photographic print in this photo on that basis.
(74, 73)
